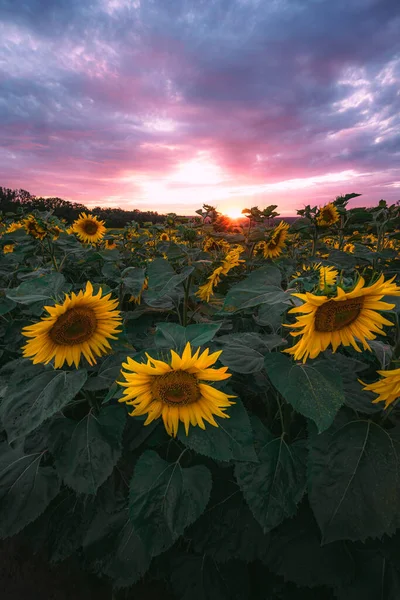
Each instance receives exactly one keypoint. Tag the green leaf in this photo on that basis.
(275, 485)
(271, 315)
(231, 440)
(133, 280)
(244, 352)
(26, 488)
(108, 372)
(375, 578)
(295, 553)
(200, 578)
(113, 547)
(355, 397)
(86, 452)
(313, 389)
(354, 480)
(172, 335)
(6, 305)
(163, 279)
(40, 289)
(260, 287)
(228, 528)
(165, 498)
(27, 405)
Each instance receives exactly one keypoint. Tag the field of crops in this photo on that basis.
(210, 406)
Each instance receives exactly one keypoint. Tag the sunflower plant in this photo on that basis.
(212, 410)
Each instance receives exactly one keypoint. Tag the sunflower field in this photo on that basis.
(210, 407)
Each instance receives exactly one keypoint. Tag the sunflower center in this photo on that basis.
(90, 227)
(333, 316)
(75, 326)
(176, 387)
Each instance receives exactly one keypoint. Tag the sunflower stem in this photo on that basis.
(186, 300)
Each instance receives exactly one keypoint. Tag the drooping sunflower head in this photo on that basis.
(328, 215)
(82, 325)
(8, 248)
(273, 247)
(34, 229)
(213, 245)
(344, 319)
(89, 229)
(176, 390)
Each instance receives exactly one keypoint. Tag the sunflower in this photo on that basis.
(110, 245)
(164, 237)
(205, 291)
(328, 215)
(231, 260)
(341, 319)
(83, 324)
(176, 391)
(89, 229)
(388, 388)
(14, 226)
(211, 244)
(274, 246)
(33, 228)
(8, 248)
(327, 277)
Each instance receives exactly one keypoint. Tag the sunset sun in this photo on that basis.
(234, 213)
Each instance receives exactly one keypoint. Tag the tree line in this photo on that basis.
(20, 202)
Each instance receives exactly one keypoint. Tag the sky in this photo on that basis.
(169, 104)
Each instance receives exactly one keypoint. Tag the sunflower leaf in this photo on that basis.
(231, 440)
(86, 452)
(41, 289)
(275, 485)
(27, 404)
(354, 482)
(26, 488)
(260, 287)
(313, 389)
(172, 335)
(113, 547)
(165, 498)
(200, 578)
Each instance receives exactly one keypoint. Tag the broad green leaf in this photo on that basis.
(228, 530)
(354, 480)
(375, 578)
(30, 403)
(313, 389)
(260, 287)
(163, 279)
(350, 371)
(6, 305)
(41, 289)
(133, 280)
(165, 498)
(244, 352)
(113, 546)
(86, 451)
(272, 315)
(172, 335)
(231, 440)
(201, 578)
(107, 373)
(26, 488)
(296, 554)
(275, 485)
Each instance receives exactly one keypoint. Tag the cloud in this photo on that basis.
(157, 104)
